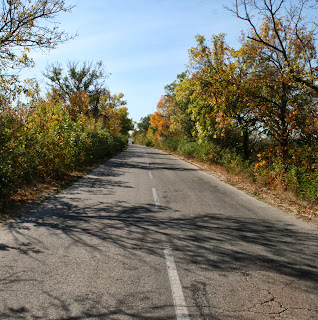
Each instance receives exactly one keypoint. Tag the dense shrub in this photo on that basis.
(170, 143)
(189, 148)
(44, 142)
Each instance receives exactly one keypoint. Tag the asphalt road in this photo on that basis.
(147, 236)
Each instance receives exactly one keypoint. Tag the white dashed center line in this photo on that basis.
(155, 196)
(175, 284)
(146, 158)
(176, 287)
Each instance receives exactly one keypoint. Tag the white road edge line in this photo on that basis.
(150, 175)
(155, 196)
(176, 287)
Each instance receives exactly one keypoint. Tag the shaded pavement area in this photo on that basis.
(95, 252)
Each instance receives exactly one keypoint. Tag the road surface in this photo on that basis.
(148, 236)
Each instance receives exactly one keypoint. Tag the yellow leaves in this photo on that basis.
(78, 104)
(116, 120)
(79, 100)
(200, 39)
(113, 121)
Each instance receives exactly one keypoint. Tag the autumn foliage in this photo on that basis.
(48, 137)
(76, 123)
(254, 108)
(44, 142)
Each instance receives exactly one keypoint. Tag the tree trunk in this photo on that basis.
(246, 148)
(284, 132)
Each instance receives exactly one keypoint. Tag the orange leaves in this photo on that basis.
(160, 124)
(165, 106)
(161, 119)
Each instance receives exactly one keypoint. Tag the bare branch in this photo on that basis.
(29, 24)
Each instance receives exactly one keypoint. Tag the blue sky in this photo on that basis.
(143, 43)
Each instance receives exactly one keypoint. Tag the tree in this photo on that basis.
(218, 91)
(161, 120)
(113, 113)
(144, 123)
(180, 119)
(281, 52)
(88, 78)
(285, 34)
(25, 25)
(125, 122)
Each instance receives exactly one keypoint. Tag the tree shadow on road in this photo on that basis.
(211, 241)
